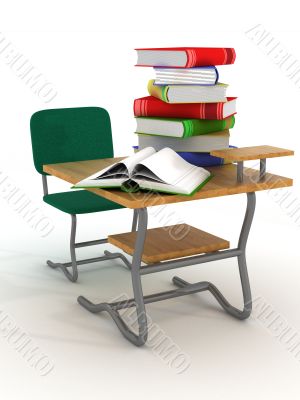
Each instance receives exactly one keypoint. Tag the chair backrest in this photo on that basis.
(70, 134)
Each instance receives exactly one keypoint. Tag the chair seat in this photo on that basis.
(80, 202)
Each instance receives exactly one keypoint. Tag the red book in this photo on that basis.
(152, 107)
(185, 57)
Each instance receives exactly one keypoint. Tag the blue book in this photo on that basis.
(199, 159)
(202, 159)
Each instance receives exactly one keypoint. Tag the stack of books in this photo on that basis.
(187, 110)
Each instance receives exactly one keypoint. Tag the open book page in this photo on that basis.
(132, 161)
(116, 173)
(167, 171)
(187, 185)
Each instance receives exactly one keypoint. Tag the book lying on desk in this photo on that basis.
(186, 76)
(181, 128)
(162, 171)
(188, 93)
(203, 159)
(150, 106)
(185, 57)
(201, 143)
(199, 159)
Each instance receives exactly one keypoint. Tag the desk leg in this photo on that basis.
(240, 314)
(138, 301)
(185, 288)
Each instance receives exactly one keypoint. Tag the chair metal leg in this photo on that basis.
(73, 276)
(133, 229)
(138, 301)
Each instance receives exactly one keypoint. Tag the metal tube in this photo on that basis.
(108, 256)
(89, 260)
(74, 275)
(240, 171)
(185, 262)
(134, 220)
(170, 294)
(262, 169)
(45, 184)
(142, 217)
(251, 201)
(90, 243)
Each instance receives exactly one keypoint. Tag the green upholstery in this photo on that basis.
(80, 202)
(72, 134)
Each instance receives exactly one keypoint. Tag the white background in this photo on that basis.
(86, 50)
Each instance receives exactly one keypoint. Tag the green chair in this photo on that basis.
(66, 135)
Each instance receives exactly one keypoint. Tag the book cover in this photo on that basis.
(204, 159)
(200, 159)
(188, 93)
(185, 57)
(202, 143)
(179, 127)
(150, 106)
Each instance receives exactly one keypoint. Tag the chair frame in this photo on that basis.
(73, 264)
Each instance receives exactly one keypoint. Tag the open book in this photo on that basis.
(163, 171)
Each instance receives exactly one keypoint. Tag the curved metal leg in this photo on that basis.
(240, 314)
(111, 255)
(64, 267)
(120, 255)
(73, 276)
(140, 338)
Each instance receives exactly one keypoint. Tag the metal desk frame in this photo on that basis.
(137, 270)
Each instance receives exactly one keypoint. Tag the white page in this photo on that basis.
(129, 163)
(169, 166)
(100, 183)
(185, 185)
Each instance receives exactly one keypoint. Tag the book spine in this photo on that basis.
(214, 56)
(160, 92)
(195, 127)
(188, 128)
(150, 107)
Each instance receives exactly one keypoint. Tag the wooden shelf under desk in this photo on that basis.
(170, 242)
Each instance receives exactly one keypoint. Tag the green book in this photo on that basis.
(180, 127)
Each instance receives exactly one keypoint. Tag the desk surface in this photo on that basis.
(223, 183)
